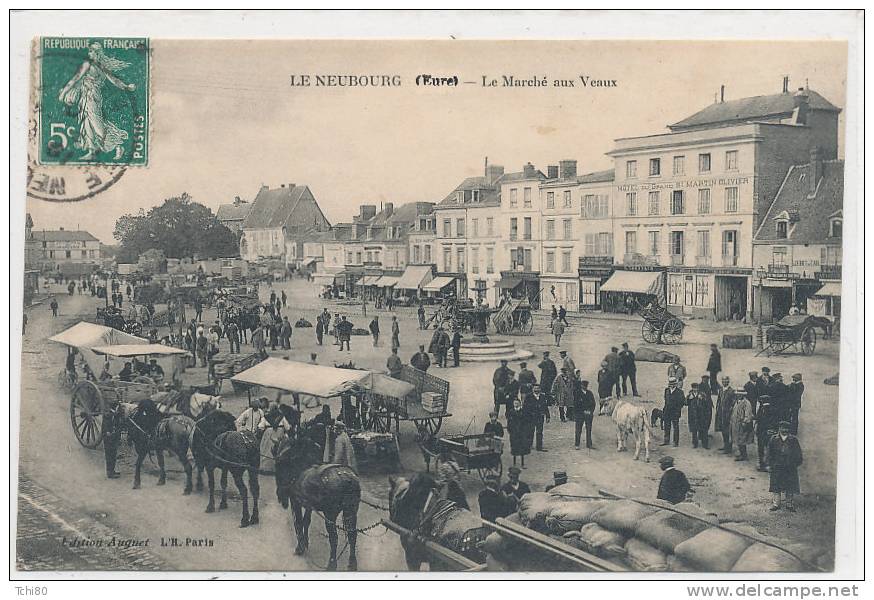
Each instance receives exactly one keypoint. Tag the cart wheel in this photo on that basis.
(808, 341)
(496, 469)
(87, 410)
(649, 333)
(672, 331)
(528, 326)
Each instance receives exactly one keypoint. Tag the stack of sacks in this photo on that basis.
(655, 536)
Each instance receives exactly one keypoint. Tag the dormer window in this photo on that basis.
(459, 197)
(475, 195)
(836, 228)
(782, 229)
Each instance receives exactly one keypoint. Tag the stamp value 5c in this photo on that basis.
(93, 101)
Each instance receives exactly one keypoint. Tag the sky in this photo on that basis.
(225, 119)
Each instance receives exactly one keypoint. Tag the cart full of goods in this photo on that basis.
(638, 535)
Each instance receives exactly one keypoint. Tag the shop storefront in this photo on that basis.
(521, 284)
(625, 291)
(594, 271)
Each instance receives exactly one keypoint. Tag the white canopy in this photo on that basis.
(832, 288)
(128, 350)
(318, 380)
(386, 281)
(414, 277)
(324, 278)
(638, 282)
(89, 335)
(438, 283)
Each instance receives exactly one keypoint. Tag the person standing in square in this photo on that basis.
(584, 412)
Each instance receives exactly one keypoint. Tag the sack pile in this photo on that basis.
(650, 537)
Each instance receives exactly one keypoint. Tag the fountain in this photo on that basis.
(480, 348)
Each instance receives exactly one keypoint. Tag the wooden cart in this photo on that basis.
(479, 452)
(792, 332)
(660, 326)
(385, 409)
(92, 402)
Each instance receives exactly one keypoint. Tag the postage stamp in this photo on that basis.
(93, 101)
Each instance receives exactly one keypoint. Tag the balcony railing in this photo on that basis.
(677, 260)
(778, 270)
(729, 260)
(702, 261)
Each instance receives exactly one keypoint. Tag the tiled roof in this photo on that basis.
(274, 208)
(751, 109)
(597, 177)
(809, 215)
(233, 212)
(511, 177)
(64, 236)
(488, 192)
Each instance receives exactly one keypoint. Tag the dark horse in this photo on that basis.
(415, 504)
(149, 429)
(216, 444)
(308, 485)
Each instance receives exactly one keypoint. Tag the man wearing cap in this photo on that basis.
(673, 486)
(548, 373)
(563, 393)
(714, 366)
(752, 389)
(628, 370)
(793, 404)
(501, 379)
(493, 502)
(558, 478)
(584, 412)
(784, 454)
(677, 371)
(514, 487)
(725, 401)
(672, 410)
(420, 360)
(527, 379)
(700, 413)
(741, 424)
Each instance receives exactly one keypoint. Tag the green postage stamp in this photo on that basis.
(94, 101)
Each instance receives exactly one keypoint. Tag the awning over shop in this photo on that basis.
(307, 262)
(386, 281)
(414, 277)
(637, 282)
(510, 279)
(832, 288)
(368, 280)
(438, 283)
(323, 278)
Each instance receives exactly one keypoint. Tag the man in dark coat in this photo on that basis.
(752, 389)
(672, 410)
(112, 439)
(285, 333)
(628, 370)
(714, 366)
(763, 382)
(514, 487)
(344, 328)
(605, 382)
(535, 405)
(725, 401)
(394, 364)
(501, 379)
(793, 404)
(320, 329)
(420, 360)
(784, 454)
(705, 386)
(673, 486)
(700, 413)
(614, 368)
(766, 425)
(456, 348)
(493, 502)
(548, 373)
(584, 412)
(527, 379)
(374, 331)
(779, 393)
(233, 334)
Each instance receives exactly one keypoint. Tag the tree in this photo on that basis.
(179, 227)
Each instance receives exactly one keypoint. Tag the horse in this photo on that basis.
(149, 429)
(216, 444)
(415, 505)
(306, 484)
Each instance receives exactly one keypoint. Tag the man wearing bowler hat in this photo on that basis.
(673, 486)
(674, 401)
(514, 487)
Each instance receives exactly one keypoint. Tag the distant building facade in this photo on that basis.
(69, 252)
(232, 215)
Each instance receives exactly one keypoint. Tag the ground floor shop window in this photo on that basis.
(590, 293)
(675, 289)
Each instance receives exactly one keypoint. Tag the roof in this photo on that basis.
(597, 176)
(521, 176)
(275, 208)
(488, 192)
(809, 215)
(64, 235)
(752, 109)
(233, 212)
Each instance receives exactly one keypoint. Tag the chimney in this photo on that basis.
(61, 228)
(493, 173)
(815, 169)
(528, 171)
(290, 185)
(721, 94)
(568, 169)
(389, 209)
(801, 105)
(552, 172)
(282, 185)
(367, 212)
(785, 84)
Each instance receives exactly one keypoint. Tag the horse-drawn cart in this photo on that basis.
(478, 452)
(660, 326)
(794, 331)
(226, 365)
(425, 405)
(514, 317)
